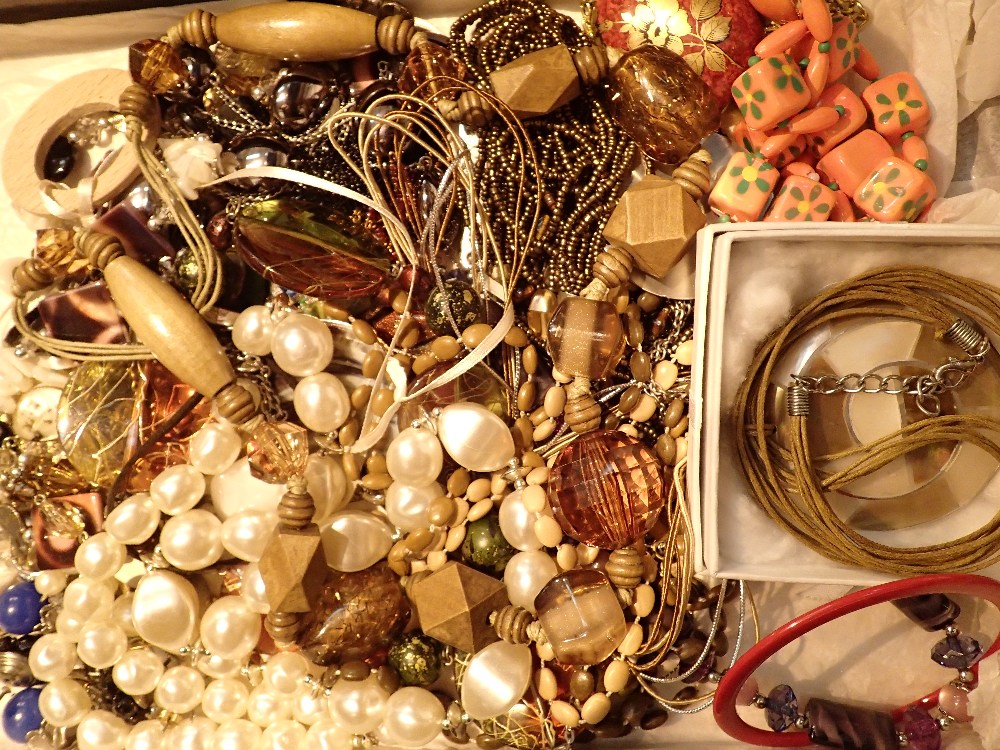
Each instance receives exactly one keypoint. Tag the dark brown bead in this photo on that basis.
(610, 729)
(690, 648)
(721, 643)
(584, 736)
(653, 718)
(486, 742)
(354, 671)
(629, 399)
(581, 684)
(687, 694)
(387, 678)
(640, 366)
(635, 707)
(850, 727)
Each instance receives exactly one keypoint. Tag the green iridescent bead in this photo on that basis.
(485, 546)
(466, 307)
(417, 660)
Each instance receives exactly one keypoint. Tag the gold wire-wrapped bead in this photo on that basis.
(473, 109)
(591, 64)
(137, 101)
(99, 249)
(511, 623)
(582, 413)
(235, 404)
(693, 174)
(31, 275)
(196, 28)
(394, 33)
(624, 568)
(613, 266)
(283, 627)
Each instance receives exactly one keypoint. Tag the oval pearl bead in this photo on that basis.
(245, 535)
(99, 557)
(407, 506)
(284, 672)
(359, 705)
(413, 717)
(214, 448)
(236, 490)
(264, 706)
(177, 489)
(525, 575)
(322, 402)
(230, 628)
(63, 702)
(414, 457)
(101, 730)
(301, 345)
(192, 540)
(84, 598)
(134, 520)
(52, 657)
(241, 734)
(517, 522)
(328, 485)
(253, 330)
(225, 700)
(165, 610)
(496, 679)
(180, 689)
(146, 735)
(137, 672)
(49, 583)
(101, 644)
(252, 590)
(354, 540)
(475, 437)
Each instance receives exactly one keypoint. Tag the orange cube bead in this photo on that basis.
(844, 48)
(853, 117)
(801, 199)
(898, 105)
(853, 161)
(744, 187)
(770, 91)
(895, 191)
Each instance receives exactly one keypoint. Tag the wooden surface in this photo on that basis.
(25, 11)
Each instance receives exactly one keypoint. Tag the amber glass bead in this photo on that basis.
(277, 451)
(478, 385)
(156, 65)
(581, 617)
(426, 71)
(607, 489)
(662, 103)
(585, 337)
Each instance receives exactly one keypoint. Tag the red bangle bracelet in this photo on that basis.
(736, 676)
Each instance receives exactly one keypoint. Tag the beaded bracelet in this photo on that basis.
(831, 724)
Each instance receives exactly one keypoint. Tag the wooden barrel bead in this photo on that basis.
(296, 509)
(136, 101)
(613, 266)
(99, 249)
(473, 109)
(582, 413)
(625, 568)
(283, 627)
(693, 174)
(394, 34)
(31, 275)
(591, 64)
(511, 623)
(197, 28)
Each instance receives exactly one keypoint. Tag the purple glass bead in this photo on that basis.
(703, 671)
(957, 651)
(929, 611)
(781, 708)
(920, 730)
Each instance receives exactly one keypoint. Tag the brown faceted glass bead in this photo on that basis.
(156, 65)
(585, 337)
(661, 103)
(607, 489)
(427, 67)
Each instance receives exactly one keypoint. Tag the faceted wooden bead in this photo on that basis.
(537, 83)
(613, 266)
(454, 605)
(473, 109)
(511, 623)
(591, 64)
(624, 567)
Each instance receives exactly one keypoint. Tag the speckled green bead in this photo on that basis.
(416, 659)
(485, 547)
(466, 307)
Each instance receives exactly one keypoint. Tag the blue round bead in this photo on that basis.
(21, 714)
(20, 608)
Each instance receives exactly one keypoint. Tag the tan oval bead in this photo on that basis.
(399, 567)
(665, 374)
(445, 348)
(682, 449)
(516, 337)
(455, 538)
(405, 360)
(555, 401)
(458, 482)
(473, 335)
(411, 334)
(684, 354)
(417, 566)
(587, 554)
(376, 464)
(523, 427)
(497, 484)
(548, 531)
(532, 460)
(332, 312)
(564, 713)
(640, 366)
(526, 396)
(545, 651)
(680, 428)
(461, 511)
(648, 302)
(479, 489)
(545, 682)
(595, 709)
(635, 333)
(364, 332)
(645, 409)
(629, 399)
(616, 676)
(418, 540)
(538, 416)
(544, 430)
(673, 413)
(629, 429)
(566, 557)
(529, 359)
(441, 511)
(376, 482)
(480, 509)
(399, 301)
(351, 469)
(561, 377)
(645, 600)
(534, 498)
(424, 362)
(372, 363)
(538, 475)
(632, 640)
(399, 551)
(666, 449)
(360, 397)
(381, 401)
(619, 298)
(436, 559)
(348, 434)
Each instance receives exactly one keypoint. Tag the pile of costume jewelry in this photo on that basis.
(348, 410)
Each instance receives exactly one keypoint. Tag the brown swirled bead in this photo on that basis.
(693, 174)
(582, 414)
(624, 567)
(473, 109)
(850, 727)
(394, 33)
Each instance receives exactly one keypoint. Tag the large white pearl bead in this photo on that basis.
(475, 437)
(283, 735)
(328, 735)
(252, 590)
(321, 401)
(236, 490)
(99, 557)
(355, 539)
(301, 345)
(265, 706)
(414, 457)
(238, 734)
(358, 705)
(177, 488)
(180, 689)
(192, 540)
(85, 598)
(52, 657)
(230, 628)
(328, 485)
(138, 672)
(284, 672)
(413, 717)
(63, 702)
(252, 331)
(525, 575)
(101, 730)
(134, 520)
(309, 707)
(101, 644)
(225, 700)
(121, 614)
(518, 523)
(165, 610)
(195, 733)
(406, 506)
(496, 679)
(218, 667)
(146, 735)
(245, 535)
(49, 583)
(214, 448)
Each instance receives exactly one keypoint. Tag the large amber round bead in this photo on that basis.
(607, 489)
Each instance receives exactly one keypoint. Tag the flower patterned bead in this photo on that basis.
(801, 199)
(744, 187)
(734, 126)
(898, 105)
(852, 118)
(770, 91)
(895, 191)
(854, 160)
(844, 48)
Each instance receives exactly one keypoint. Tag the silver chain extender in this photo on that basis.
(925, 388)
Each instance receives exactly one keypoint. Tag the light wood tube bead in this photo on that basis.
(693, 174)
(196, 28)
(283, 627)
(511, 623)
(395, 34)
(31, 275)
(613, 266)
(137, 101)
(591, 64)
(473, 109)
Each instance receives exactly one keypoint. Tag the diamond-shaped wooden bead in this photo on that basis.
(293, 569)
(454, 605)
(654, 220)
(537, 83)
